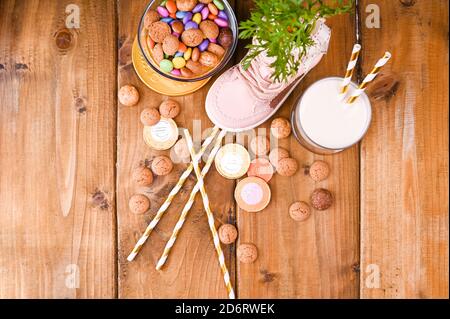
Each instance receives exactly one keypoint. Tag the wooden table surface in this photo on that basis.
(67, 149)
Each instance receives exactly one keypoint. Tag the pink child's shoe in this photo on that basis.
(240, 100)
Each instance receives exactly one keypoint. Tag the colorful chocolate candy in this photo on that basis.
(187, 38)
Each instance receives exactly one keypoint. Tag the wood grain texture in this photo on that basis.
(57, 126)
(319, 257)
(404, 174)
(192, 270)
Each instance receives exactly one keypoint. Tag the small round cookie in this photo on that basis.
(169, 109)
(280, 128)
(216, 49)
(194, 67)
(192, 37)
(162, 165)
(150, 116)
(158, 53)
(225, 38)
(321, 199)
(299, 211)
(287, 167)
(260, 145)
(186, 5)
(209, 29)
(181, 149)
(128, 95)
(150, 17)
(143, 176)
(227, 234)
(139, 204)
(170, 45)
(247, 253)
(276, 155)
(319, 171)
(208, 59)
(158, 31)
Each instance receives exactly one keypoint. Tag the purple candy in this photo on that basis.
(221, 22)
(213, 40)
(187, 17)
(205, 13)
(190, 25)
(204, 45)
(176, 72)
(198, 8)
(162, 12)
(223, 15)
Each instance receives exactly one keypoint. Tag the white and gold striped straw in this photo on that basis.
(169, 198)
(209, 214)
(370, 77)
(162, 260)
(200, 183)
(350, 69)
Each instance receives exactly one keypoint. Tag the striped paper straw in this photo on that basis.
(349, 73)
(370, 77)
(169, 198)
(162, 260)
(212, 227)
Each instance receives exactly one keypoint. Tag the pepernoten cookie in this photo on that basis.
(319, 171)
(139, 204)
(247, 253)
(169, 109)
(158, 31)
(186, 5)
(150, 17)
(299, 211)
(128, 95)
(208, 59)
(287, 167)
(162, 165)
(209, 29)
(192, 37)
(170, 45)
(143, 176)
(227, 234)
(150, 116)
(276, 155)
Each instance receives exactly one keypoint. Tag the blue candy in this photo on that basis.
(190, 25)
(167, 20)
(223, 15)
(204, 45)
(181, 14)
(187, 17)
(199, 7)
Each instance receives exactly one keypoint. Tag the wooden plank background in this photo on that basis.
(57, 146)
(404, 173)
(67, 149)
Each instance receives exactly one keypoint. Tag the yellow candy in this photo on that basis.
(187, 54)
(197, 18)
(178, 62)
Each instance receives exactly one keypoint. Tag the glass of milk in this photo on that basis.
(324, 123)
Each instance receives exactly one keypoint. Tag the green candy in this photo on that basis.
(219, 4)
(166, 66)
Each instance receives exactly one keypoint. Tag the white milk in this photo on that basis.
(329, 122)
